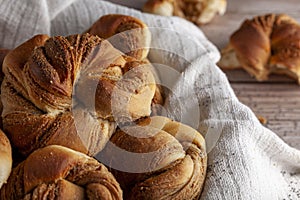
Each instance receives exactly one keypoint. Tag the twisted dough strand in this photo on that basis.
(56, 172)
(160, 159)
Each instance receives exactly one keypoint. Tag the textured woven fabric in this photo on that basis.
(246, 160)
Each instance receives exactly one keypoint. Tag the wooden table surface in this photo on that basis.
(277, 100)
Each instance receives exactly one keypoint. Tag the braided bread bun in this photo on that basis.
(157, 159)
(197, 11)
(70, 91)
(57, 172)
(264, 45)
(131, 36)
(5, 158)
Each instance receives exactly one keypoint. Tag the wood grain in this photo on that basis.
(278, 99)
(278, 103)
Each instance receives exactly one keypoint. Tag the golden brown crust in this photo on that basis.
(15, 60)
(286, 47)
(3, 53)
(263, 45)
(164, 160)
(132, 37)
(254, 54)
(62, 93)
(128, 34)
(159, 7)
(5, 158)
(58, 172)
(199, 12)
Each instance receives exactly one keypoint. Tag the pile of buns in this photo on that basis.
(264, 45)
(71, 102)
(197, 11)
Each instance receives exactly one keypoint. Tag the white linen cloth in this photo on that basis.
(246, 160)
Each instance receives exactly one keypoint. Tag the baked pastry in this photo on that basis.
(157, 159)
(131, 36)
(128, 34)
(264, 45)
(197, 11)
(5, 158)
(57, 172)
(5, 147)
(71, 91)
(3, 53)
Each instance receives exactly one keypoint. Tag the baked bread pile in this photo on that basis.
(197, 11)
(70, 102)
(265, 45)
